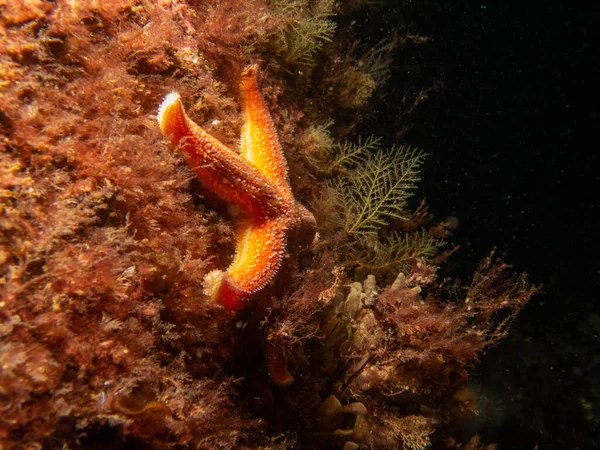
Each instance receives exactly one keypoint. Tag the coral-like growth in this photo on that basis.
(330, 157)
(395, 351)
(365, 204)
(411, 351)
(440, 339)
(398, 251)
(378, 190)
(308, 27)
(361, 75)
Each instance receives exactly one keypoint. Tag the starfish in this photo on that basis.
(255, 181)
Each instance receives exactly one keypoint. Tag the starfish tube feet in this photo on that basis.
(218, 286)
(260, 144)
(259, 251)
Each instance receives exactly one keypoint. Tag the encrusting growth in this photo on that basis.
(256, 182)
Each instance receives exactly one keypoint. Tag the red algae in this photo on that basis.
(107, 338)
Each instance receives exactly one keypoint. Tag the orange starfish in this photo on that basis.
(255, 181)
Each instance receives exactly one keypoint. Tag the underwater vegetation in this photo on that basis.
(107, 336)
(305, 28)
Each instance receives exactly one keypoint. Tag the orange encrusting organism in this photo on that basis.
(256, 182)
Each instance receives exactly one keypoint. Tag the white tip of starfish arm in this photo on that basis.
(213, 282)
(166, 109)
(170, 99)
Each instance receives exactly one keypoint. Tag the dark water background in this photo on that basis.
(513, 142)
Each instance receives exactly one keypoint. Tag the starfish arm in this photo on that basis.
(260, 144)
(259, 252)
(220, 169)
(305, 226)
(277, 366)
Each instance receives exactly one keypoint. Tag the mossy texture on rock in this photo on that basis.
(107, 339)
